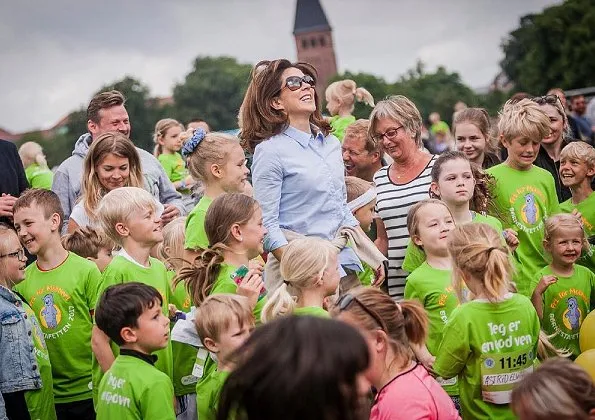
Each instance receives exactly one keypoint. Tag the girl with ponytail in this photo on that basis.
(36, 168)
(340, 102)
(489, 342)
(405, 388)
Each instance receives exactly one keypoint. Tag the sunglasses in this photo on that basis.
(347, 299)
(390, 134)
(293, 83)
(547, 99)
(20, 254)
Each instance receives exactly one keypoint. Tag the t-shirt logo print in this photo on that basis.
(530, 210)
(573, 315)
(50, 313)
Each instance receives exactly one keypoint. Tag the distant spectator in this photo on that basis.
(198, 123)
(573, 132)
(362, 156)
(520, 96)
(36, 168)
(459, 106)
(579, 108)
(590, 114)
(441, 139)
(12, 179)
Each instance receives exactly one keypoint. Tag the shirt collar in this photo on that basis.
(149, 358)
(7, 294)
(304, 138)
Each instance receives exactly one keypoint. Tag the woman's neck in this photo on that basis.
(395, 367)
(460, 213)
(581, 191)
(440, 262)
(311, 297)
(213, 190)
(235, 257)
(553, 149)
(301, 123)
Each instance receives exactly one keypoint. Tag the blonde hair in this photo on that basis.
(477, 251)
(557, 389)
(346, 92)
(109, 143)
(213, 149)
(119, 205)
(401, 110)
(413, 216)
(161, 129)
(356, 186)
(524, 119)
(562, 223)
(217, 313)
(31, 152)
(404, 322)
(171, 250)
(302, 266)
(579, 151)
(87, 242)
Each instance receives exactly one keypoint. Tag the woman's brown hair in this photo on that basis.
(258, 120)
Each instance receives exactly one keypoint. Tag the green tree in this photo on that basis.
(553, 48)
(213, 91)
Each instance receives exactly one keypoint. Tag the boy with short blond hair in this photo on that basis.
(130, 315)
(223, 322)
(577, 170)
(128, 216)
(524, 194)
(60, 288)
(91, 244)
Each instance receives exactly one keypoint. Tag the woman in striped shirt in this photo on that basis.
(396, 123)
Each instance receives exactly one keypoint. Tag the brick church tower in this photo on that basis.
(314, 41)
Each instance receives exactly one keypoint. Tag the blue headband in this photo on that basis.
(192, 144)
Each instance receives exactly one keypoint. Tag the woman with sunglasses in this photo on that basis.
(396, 123)
(25, 370)
(405, 388)
(298, 172)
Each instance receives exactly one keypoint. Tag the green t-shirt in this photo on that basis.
(63, 299)
(415, 256)
(184, 355)
(133, 389)
(121, 270)
(433, 288)
(339, 124)
(311, 311)
(524, 199)
(439, 127)
(367, 276)
(40, 402)
(207, 394)
(39, 177)
(489, 346)
(196, 237)
(174, 166)
(587, 210)
(566, 303)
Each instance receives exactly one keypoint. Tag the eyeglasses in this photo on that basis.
(347, 299)
(293, 83)
(20, 254)
(547, 99)
(390, 134)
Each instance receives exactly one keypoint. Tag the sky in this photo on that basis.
(56, 54)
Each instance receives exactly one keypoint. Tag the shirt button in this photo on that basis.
(34, 367)
(29, 333)
(25, 316)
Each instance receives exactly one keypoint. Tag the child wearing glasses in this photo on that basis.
(405, 388)
(26, 374)
(340, 102)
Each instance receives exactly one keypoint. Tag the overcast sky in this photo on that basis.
(55, 54)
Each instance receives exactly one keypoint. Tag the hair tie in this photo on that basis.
(490, 249)
(399, 307)
(285, 282)
(362, 200)
(191, 145)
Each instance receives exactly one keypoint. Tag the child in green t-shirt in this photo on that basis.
(309, 267)
(91, 244)
(219, 161)
(60, 288)
(524, 195)
(463, 187)
(577, 169)
(131, 315)
(491, 341)
(36, 168)
(26, 369)
(223, 323)
(128, 217)
(429, 223)
(564, 292)
(340, 102)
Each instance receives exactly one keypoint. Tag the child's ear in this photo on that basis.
(128, 335)
(504, 142)
(236, 232)
(210, 344)
(56, 222)
(434, 190)
(216, 170)
(591, 172)
(416, 240)
(122, 229)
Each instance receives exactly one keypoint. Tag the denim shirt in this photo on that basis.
(299, 182)
(18, 362)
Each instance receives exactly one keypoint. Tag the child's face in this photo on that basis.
(456, 183)
(331, 276)
(435, 223)
(152, 331)
(11, 266)
(566, 246)
(234, 172)
(113, 172)
(365, 215)
(34, 230)
(231, 339)
(171, 140)
(253, 234)
(104, 257)
(471, 141)
(522, 152)
(144, 229)
(574, 171)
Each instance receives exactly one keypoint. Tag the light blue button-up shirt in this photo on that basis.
(299, 182)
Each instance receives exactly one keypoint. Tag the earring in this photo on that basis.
(240, 239)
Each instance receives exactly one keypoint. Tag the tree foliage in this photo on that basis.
(553, 48)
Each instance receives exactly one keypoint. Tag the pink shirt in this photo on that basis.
(413, 395)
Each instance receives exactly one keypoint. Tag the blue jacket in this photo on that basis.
(18, 363)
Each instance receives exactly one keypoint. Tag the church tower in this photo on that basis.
(314, 41)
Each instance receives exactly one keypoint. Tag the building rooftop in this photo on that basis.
(309, 17)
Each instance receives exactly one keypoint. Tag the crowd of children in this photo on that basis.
(498, 271)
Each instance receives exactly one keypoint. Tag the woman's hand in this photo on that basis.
(251, 286)
(380, 276)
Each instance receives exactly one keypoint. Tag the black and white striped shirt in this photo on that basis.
(392, 205)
